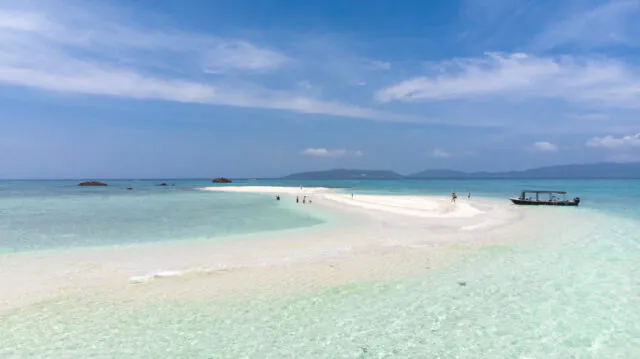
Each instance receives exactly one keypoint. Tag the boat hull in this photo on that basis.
(524, 202)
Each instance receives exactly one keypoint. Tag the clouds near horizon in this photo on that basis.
(335, 153)
(542, 146)
(611, 142)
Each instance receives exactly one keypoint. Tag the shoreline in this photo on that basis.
(381, 237)
(411, 205)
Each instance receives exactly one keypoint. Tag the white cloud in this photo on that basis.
(242, 56)
(594, 80)
(440, 153)
(20, 21)
(542, 146)
(79, 50)
(72, 29)
(611, 22)
(87, 78)
(335, 153)
(104, 81)
(611, 142)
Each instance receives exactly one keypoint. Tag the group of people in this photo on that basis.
(454, 196)
(304, 199)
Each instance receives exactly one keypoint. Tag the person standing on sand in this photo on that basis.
(469, 195)
(453, 197)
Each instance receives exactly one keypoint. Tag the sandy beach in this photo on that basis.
(385, 236)
(419, 206)
(269, 189)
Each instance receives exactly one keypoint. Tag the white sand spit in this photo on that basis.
(267, 189)
(376, 237)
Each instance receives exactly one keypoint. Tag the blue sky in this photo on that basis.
(265, 88)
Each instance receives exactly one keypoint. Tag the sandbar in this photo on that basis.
(384, 237)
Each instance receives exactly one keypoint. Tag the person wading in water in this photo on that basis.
(453, 197)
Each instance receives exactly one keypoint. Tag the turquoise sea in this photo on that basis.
(570, 289)
(37, 215)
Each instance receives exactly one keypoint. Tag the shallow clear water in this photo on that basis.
(57, 214)
(570, 289)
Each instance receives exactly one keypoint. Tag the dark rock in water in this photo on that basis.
(92, 184)
(221, 180)
(129, 188)
(163, 184)
(462, 284)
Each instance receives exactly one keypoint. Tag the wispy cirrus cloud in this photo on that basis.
(593, 80)
(78, 49)
(20, 21)
(608, 23)
(242, 56)
(334, 153)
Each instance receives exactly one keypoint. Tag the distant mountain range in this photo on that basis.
(344, 174)
(584, 171)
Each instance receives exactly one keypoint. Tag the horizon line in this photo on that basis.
(405, 176)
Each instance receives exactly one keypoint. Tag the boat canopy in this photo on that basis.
(549, 192)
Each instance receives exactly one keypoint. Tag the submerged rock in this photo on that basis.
(221, 180)
(129, 188)
(92, 183)
(163, 184)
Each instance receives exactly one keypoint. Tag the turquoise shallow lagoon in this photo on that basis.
(568, 287)
(38, 215)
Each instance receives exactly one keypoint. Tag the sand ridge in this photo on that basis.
(419, 206)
